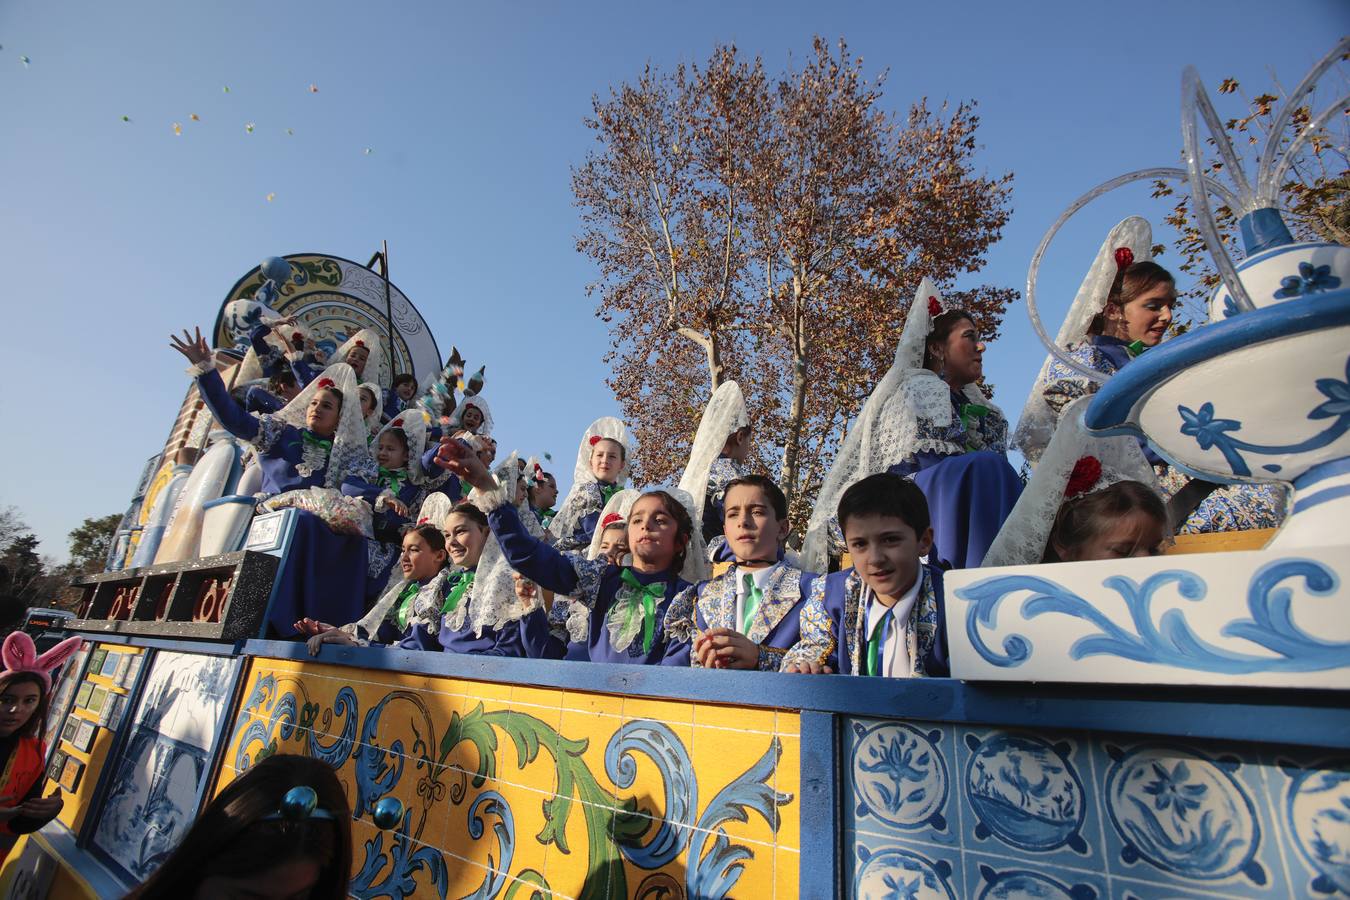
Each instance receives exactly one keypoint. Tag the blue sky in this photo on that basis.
(115, 233)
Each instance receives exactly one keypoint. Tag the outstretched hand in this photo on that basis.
(194, 348)
(458, 457)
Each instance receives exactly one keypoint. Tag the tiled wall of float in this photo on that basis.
(934, 810)
(508, 788)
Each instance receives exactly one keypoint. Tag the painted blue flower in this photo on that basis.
(1202, 425)
(1309, 280)
(901, 890)
(1170, 790)
(897, 760)
(1229, 307)
(1338, 397)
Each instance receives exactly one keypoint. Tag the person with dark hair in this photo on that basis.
(749, 616)
(281, 389)
(542, 490)
(281, 829)
(1124, 520)
(884, 615)
(929, 420)
(627, 603)
(25, 695)
(400, 395)
(432, 607)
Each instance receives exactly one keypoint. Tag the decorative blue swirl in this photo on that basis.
(399, 882)
(658, 742)
(505, 830)
(1271, 626)
(336, 753)
(714, 874)
(252, 727)
(1209, 431)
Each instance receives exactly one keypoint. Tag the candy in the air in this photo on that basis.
(225, 89)
(271, 197)
(25, 60)
(126, 118)
(313, 88)
(290, 131)
(178, 128)
(248, 127)
(194, 117)
(368, 151)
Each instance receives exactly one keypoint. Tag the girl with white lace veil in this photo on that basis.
(437, 601)
(1075, 463)
(362, 351)
(928, 420)
(398, 491)
(718, 456)
(306, 451)
(627, 602)
(370, 407)
(1123, 308)
(603, 458)
(474, 414)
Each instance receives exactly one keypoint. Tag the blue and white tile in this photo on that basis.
(1029, 796)
(991, 878)
(899, 780)
(1180, 816)
(881, 868)
(1309, 796)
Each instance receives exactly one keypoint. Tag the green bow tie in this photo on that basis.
(463, 582)
(405, 602)
(606, 492)
(644, 596)
(393, 478)
(1134, 348)
(311, 441)
(753, 597)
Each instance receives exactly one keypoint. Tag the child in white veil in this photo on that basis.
(597, 477)
(718, 457)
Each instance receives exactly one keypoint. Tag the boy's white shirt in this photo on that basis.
(761, 577)
(895, 654)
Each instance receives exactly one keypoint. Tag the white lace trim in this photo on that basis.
(724, 415)
(620, 504)
(565, 522)
(350, 454)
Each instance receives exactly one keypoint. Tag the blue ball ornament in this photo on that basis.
(277, 269)
(299, 803)
(387, 813)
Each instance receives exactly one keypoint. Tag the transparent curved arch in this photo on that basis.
(1033, 274)
(1270, 195)
(1268, 176)
(1195, 100)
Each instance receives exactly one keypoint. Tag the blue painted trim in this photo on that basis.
(229, 498)
(1321, 497)
(57, 840)
(1273, 252)
(820, 872)
(1322, 472)
(1307, 718)
(209, 648)
(1110, 410)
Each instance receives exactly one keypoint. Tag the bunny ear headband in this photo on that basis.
(20, 655)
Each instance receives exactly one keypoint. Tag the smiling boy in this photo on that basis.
(884, 615)
(747, 617)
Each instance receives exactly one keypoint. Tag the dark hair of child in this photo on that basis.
(1084, 517)
(885, 494)
(400, 435)
(1132, 281)
(943, 325)
(529, 490)
(235, 837)
(37, 722)
(282, 378)
(766, 484)
(405, 378)
(684, 526)
(431, 534)
(335, 394)
(623, 451)
(470, 512)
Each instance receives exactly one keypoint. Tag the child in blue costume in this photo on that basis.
(400, 396)
(1123, 308)
(600, 473)
(929, 421)
(281, 389)
(627, 603)
(429, 608)
(361, 351)
(316, 441)
(749, 616)
(884, 615)
(396, 495)
(542, 491)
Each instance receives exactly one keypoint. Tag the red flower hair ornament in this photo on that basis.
(1086, 472)
(1124, 258)
(611, 519)
(397, 423)
(359, 343)
(326, 383)
(934, 307)
(595, 439)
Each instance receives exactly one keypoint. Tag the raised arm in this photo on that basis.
(229, 413)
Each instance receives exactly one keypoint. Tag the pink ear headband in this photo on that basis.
(20, 655)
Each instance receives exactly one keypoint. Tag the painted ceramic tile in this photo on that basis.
(899, 777)
(1310, 797)
(162, 771)
(882, 869)
(1257, 618)
(991, 878)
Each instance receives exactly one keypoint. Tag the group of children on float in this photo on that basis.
(921, 484)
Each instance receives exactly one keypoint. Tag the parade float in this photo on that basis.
(1155, 727)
